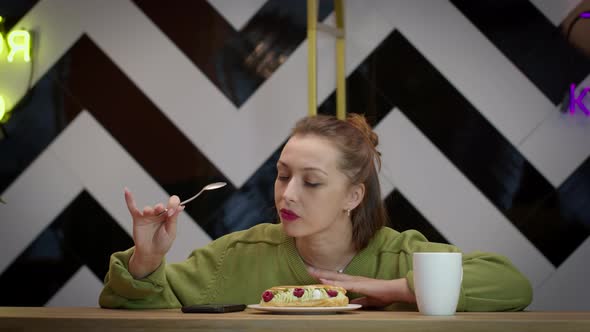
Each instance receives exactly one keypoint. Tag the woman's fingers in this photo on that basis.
(159, 208)
(326, 274)
(173, 203)
(131, 204)
(171, 221)
(364, 301)
(368, 302)
(372, 288)
(356, 286)
(348, 282)
(148, 211)
(377, 292)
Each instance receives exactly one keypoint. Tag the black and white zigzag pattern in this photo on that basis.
(463, 96)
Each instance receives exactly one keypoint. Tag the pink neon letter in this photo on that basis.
(578, 101)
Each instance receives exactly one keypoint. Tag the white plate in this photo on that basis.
(305, 310)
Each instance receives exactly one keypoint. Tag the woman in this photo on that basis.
(332, 229)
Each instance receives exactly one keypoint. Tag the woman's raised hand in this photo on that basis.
(153, 235)
(377, 292)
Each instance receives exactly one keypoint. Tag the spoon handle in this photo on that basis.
(190, 199)
(210, 186)
(182, 203)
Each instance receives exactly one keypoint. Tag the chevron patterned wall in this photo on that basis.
(164, 98)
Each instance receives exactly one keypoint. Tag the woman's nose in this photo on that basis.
(290, 193)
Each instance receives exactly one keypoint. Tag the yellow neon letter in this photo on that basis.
(2, 108)
(1, 40)
(24, 45)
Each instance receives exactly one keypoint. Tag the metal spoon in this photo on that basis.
(211, 186)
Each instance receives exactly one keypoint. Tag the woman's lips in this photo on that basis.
(288, 215)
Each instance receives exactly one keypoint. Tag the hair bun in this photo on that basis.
(360, 122)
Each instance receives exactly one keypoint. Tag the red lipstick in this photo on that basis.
(288, 215)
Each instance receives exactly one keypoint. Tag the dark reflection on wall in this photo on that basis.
(37, 119)
(82, 235)
(252, 56)
(13, 10)
(531, 42)
(252, 204)
(574, 196)
(237, 62)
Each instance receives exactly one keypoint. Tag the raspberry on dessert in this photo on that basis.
(332, 293)
(267, 296)
(298, 292)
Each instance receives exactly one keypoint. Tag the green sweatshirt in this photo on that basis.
(238, 267)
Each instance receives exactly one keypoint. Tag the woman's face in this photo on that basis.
(311, 193)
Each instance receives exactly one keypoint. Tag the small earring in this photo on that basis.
(348, 212)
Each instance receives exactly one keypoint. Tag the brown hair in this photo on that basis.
(360, 161)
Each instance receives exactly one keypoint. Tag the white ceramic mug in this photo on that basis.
(437, 282)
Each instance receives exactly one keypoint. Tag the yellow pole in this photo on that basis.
(340, 62)
(312, 19)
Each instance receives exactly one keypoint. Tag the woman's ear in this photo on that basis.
(355, 196)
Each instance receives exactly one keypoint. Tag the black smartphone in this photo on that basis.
(213, 308)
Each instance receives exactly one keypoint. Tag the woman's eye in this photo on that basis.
(282, 177)
(310, 184)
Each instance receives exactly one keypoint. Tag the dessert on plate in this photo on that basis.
(304, 296)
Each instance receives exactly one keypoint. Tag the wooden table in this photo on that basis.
(96, 319)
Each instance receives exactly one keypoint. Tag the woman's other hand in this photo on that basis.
(377, 292)
(153, 235)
